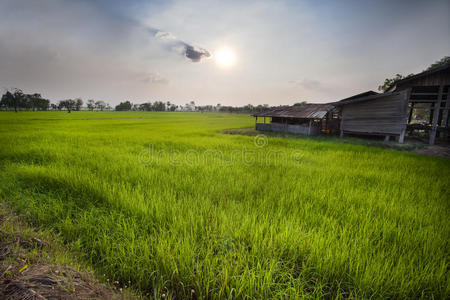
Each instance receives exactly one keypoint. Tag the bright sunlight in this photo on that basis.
(225, 57)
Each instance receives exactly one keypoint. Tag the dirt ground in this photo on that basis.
(440, 151)
(30, 267)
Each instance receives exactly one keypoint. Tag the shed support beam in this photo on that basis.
(407, 119)
(401, 138)
(444, 121)
(437, 107)
(411, 112)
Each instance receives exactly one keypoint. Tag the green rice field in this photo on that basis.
(168, 204)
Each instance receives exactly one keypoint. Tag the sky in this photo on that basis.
(284, 51)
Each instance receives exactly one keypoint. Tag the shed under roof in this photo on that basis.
(307, 111)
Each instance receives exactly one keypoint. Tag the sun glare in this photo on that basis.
(225, 57)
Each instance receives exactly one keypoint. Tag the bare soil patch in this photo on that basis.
(29, 268)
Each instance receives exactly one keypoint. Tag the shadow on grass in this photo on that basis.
(355, 140)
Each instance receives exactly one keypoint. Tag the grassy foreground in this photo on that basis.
(168, 204)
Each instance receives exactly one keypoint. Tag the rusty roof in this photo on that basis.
(364, 98)
(307, 111)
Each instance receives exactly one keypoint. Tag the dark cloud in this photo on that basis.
(195, 54)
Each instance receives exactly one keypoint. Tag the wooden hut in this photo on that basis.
(428, 93)
(308, 119)
(392, 113)
(374, 114)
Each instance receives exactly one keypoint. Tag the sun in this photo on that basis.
(225, 57)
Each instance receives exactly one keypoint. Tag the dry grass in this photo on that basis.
(29, 266)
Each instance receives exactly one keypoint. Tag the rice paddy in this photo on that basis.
(168, 204)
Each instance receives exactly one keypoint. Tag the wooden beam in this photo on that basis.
(437, 107)
(407, 96)
(431, 112)
(444, 121)
(401, 138)
(411, 112)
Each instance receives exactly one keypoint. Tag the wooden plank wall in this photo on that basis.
(384, 115)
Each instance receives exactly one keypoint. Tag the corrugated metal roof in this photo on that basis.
(307, 111)
(366, 98)
(425, 73)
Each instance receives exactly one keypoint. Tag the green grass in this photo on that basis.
(173, 205)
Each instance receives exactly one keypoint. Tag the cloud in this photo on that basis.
(154, 78)
(309, 84)
(195, 54)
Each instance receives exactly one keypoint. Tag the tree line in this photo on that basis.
(16, 99)
(190, 106)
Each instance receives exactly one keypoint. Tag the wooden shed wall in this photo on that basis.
(384, 115)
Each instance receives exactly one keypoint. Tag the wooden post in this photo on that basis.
(431, 112)
(411, 113)
(401, 138)
(437, 107)
(386, 138)
(444, 121)
(407, 95)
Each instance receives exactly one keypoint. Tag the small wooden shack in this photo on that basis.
(395, 113)
(308, 119)
(428, 102)
(375, 114)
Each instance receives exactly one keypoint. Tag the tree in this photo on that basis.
(8, 100)
(390, 82)
(68, 104)
(14, 99)
(91, 104)
(300, 103)
(443, 61)
(159, 106)
(145, 106)
(78, 103)
(127, 105)
(18, 99)
(100, 105)
(43, 104)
